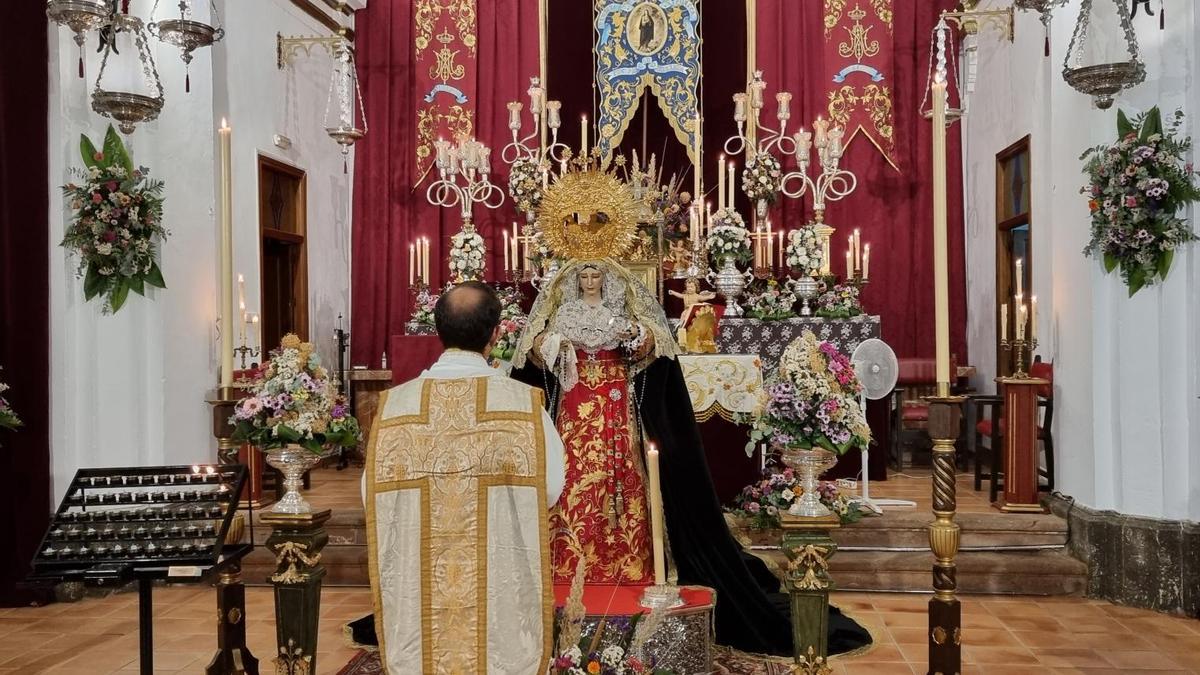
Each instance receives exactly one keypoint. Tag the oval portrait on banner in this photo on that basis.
(646, 28)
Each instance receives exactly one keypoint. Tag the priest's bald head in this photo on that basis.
(467, 317)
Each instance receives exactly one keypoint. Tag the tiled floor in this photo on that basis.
(1000, 635)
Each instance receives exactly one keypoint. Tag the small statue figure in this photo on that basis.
(680, 258)
(693, 299)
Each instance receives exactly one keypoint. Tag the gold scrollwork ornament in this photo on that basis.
(292, 660)
(291, 553)
(812, 566)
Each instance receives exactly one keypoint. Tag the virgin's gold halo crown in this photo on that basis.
(588, 215)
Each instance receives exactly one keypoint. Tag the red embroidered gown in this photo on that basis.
(603, 514)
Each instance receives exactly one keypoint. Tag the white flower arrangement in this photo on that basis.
(467, 261)
(761, 178)
(525, 184)
(805, 253)
(728, 237)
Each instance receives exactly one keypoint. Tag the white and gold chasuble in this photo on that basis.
(458, 528)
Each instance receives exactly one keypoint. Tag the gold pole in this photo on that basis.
(543, 21)
(941, 285)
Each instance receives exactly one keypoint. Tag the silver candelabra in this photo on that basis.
(471, 161)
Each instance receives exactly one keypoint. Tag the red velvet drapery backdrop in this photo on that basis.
(893, 209)
(24, 296)
(390, 209)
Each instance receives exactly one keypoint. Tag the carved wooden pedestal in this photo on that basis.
(808, 547)
(945, 612)
(232, 657)
(297, 540)
(1020, 445)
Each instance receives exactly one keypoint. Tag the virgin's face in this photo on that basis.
(591, 283)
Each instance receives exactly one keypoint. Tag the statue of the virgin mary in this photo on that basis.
(599, 343)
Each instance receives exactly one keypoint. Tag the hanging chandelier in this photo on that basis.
(80, 16)
(1102, 81)
(126, 106)
(344, 81)
(187, 34)
(1042, 7)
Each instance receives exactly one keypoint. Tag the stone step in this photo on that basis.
(908, 530)
(1048, 572)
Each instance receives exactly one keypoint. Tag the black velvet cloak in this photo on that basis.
(752, 614)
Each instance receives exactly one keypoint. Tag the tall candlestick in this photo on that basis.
(866, 267)
(770, 245)
(941, 284)
(698, 165)
(242, 304)
(226, 301)
(506, 267)
(1004, 321)
(1033, 317)
(656, 517)
(425, 259)
(1021, 321)
(781, 249)
(1020, 276)
(721, 183)
(732, 183)
(583, 145)
(849, 264)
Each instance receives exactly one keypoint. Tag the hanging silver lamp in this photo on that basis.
(80, 16)
(186, 33)
(127, 106)
(1102, 81)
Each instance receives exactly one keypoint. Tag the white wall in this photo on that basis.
(129, 389)
(1126, 412)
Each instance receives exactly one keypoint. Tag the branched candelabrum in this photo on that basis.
(246, 350)
(471, 161)
(534, 147)
(1020, 344)
(758, 138)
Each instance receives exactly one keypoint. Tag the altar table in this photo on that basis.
(768, 339)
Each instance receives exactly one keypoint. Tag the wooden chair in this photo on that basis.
(917, 377)
(991, 428)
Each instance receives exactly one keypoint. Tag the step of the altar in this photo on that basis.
(1042, 572)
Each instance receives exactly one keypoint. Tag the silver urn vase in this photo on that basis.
(292, 461)
(806, 289)
(729, 282)
(809, 464)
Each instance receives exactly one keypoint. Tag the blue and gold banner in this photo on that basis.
(640, 44)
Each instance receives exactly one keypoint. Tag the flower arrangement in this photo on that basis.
(839, 302)
(423, 310)
(8, 418)
(774, 303)
(761, 178)
(466, 256)
(525, 184)
(294, 403)
(811, 401)
(116, 223)
(675, 208)
(805, 252)
(728, 237)
(1135, 190)
(761, 503)
(512, 322)
(578, 655)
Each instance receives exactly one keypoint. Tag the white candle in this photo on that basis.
(857, 250)
(1033, 317)
(1021, 321)
(425, 257)
(226, 301)
(583, 145)
(1004, 321)
(721, 183)
(242, 304)
(941, 267)
(866, 262)
(1020, 276)
(732, 183)
(545, 178)
(770, 245)
(257, 342)
(412, 263)
(849, 265)
(698, 165)
(781, 249)
(506, 267)
(656, 517)
(707, 217)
